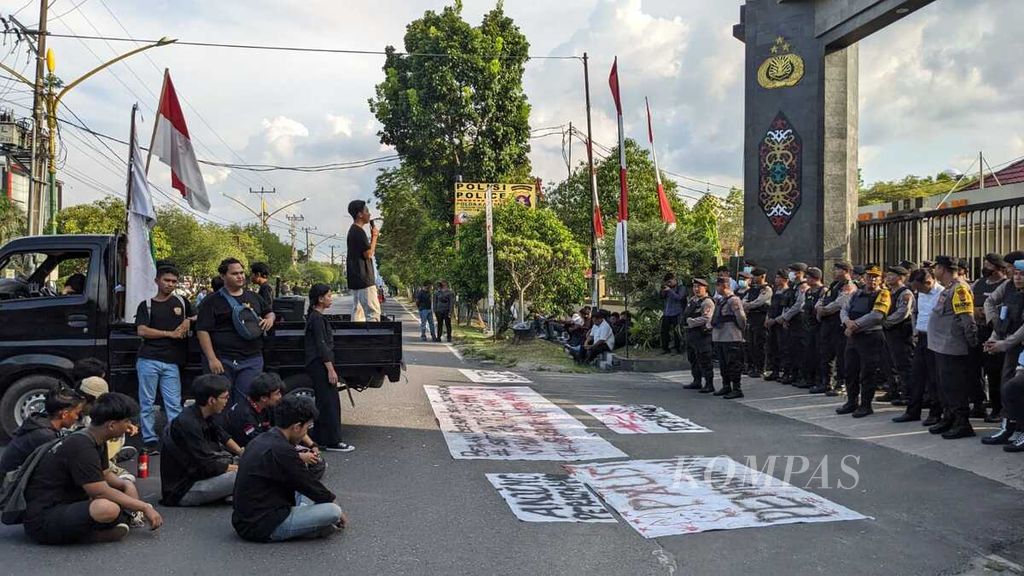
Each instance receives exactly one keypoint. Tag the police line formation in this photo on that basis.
(946, 349)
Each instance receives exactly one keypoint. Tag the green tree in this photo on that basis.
(910, 187)
(12, 220)
(730, 223)
(706, 214)
(571, 198)
(463, 114)
(554, 282)
(105, 216)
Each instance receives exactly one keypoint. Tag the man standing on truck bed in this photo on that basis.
(359, 264)
(163, 324)
(228, 335)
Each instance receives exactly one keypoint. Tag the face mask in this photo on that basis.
(986, 272)
(743, 283)
(791, 276)
(748, 269)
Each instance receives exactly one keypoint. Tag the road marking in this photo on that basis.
(776, 398)
(455, 352)
(891, 435)
(802, 407)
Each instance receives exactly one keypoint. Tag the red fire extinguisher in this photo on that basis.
(144, 465)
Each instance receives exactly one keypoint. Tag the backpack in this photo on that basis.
(245, 319)
(12, 491)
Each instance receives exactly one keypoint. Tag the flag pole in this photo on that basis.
(156, 119)
(128, 184)
(595, 266)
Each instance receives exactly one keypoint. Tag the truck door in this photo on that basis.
(48, 302)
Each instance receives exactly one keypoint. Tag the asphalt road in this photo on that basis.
(415, 510)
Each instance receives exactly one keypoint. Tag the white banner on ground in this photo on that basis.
(512, 423)
(494, 377)
(550, 498)
(691, 494)
(640, 419)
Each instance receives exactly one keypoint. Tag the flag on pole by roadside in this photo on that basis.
(667, 216)
(598, 220)
(621, 229)
(172, 145)
(141, 269)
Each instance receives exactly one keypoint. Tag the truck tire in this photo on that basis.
(295, 381)
(21, 399)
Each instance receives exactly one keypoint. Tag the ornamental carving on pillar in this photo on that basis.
(780, 171)
(783, 69)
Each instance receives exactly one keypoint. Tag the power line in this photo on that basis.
(63, 14)
(302, 48)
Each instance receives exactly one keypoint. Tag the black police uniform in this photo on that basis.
(777, 345)
(730, 354)
(811, 371)
(698, 346)
(833, 339)
(899, 341)
(865, 351)
(757, 333)
(795, 341)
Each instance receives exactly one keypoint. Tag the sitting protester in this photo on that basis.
(197, 466)
(245, 421)
(63, 408)
(72, 496)
(273, 477)
(91, 386)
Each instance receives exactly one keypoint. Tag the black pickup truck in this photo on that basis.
(43, 332)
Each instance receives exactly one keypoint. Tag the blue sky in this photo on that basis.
(935, 88)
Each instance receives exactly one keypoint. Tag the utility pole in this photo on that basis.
(595, 265)
(292, 219)
(264, 217)
(35, 192)
(309, 256)
(570, 149)
(332, 254)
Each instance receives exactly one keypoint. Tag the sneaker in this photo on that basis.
(152, 448)
(136, 520)
(339, 447)
(124, 475)
(126, 454)
(1015, 445)
(113, 534)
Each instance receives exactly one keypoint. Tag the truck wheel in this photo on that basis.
(296, 381)
(25, 397)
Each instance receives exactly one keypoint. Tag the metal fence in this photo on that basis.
(964, 232)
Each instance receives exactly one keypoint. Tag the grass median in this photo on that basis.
(539, 355)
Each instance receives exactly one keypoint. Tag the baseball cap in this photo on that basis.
(93, 387)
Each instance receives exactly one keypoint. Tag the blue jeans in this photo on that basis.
(241, 373)
(155, 374)
(306, 520)
(427, 317)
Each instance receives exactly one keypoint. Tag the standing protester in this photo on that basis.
(62, 409)
(277, 497)
(793, 324)
(359, 270)
(198, 466)
(777, 345)
(424, 302)
(727, 326)
(699, 345)
(319, 355)
(163, 323)
(674, 296)
(812, 328)
(755, 305)
(260, 276)
(951, 334)
(230, 328)
(862, 316)
(988, 367)
(924, 379)
(724, 272)
(444, 300)
(73, 496)
(898, 328)
(832, 332)
(1006, 339)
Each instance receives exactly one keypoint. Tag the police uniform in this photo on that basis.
(987, 367)
(952, 332)
(1007, 326)
(865, 348)
(811, 372)
(795, 334)
(777, 349)
(697, 318)
(899, 338)
(832, 334)
(756, 303)
(727, 325)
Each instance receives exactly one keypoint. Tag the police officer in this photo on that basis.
(1008, 333)
(811, 353)
(792, 320)
(777, 345)
(987, 366)
(898, 328)
(697, 317)
(832, 332)
(923, 381)
(755, 304)
(951, 333)
(728, 324)
(862, 315)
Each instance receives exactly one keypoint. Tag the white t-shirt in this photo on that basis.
(603, 331)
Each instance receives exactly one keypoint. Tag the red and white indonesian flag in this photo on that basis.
(171, 144)
(621, 232)
(667, 216)
(141, 269)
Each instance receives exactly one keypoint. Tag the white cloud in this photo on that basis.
(280, 135)
(339, 125)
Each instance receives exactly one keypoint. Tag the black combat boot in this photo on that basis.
(943, 425)
(708, 388)
(863, 410)
(849, 408)
(961, 429)
(734, 393)
(725, 389)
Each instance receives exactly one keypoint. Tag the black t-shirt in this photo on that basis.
(243, 423)
(166, 315)
(60, 475)
(358, 268)
(215, 318)
(267, 293)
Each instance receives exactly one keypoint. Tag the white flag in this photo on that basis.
(141, 274)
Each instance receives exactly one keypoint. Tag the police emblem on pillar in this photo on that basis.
(782, 69)
(780, 173)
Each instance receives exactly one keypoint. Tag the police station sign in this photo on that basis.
(470, 197)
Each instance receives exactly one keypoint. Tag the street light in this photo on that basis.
(52, 101)
(262, 215)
